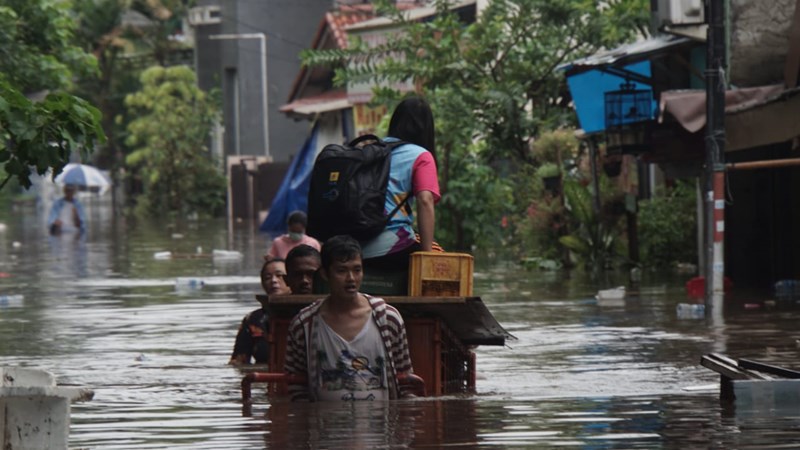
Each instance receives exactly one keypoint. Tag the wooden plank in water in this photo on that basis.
(768, 368)
(727, 367)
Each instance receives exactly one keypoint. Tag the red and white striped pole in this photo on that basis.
(718, 267)
(715, 158)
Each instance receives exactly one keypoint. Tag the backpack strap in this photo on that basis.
(394, 145)
(364, 138)
(397, 208)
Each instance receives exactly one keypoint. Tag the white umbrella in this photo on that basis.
(83, 175)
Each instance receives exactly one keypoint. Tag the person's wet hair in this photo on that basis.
(340, 248)
(412, 121)
(297, 217)
(301, 251)
(268, 262)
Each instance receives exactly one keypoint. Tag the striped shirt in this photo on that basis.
(300, 358)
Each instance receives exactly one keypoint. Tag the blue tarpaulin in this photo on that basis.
(293, 193)
(588, 92)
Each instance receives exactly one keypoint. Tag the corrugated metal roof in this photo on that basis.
(628, 53)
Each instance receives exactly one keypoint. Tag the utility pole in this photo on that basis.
(715, 157)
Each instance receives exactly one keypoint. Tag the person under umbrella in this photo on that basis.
(67, 214)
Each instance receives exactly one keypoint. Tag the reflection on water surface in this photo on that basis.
(102, 313)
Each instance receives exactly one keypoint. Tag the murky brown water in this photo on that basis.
(102, 313)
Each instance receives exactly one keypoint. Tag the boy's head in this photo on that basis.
(273, 277)
(341, 266)
(342, 248)
(302, 263)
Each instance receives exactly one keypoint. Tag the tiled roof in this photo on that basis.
(347, 15)
(308, 106)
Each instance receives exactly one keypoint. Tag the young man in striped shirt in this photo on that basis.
(348, 346)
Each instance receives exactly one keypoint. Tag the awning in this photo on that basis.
(754, 116)
(317, 104)
(590, 78)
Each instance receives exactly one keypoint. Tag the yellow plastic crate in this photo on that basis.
(438, 274)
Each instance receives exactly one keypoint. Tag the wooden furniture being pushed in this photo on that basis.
(442, 331)
(750, 385)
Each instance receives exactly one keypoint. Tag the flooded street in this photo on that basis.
(104, 314)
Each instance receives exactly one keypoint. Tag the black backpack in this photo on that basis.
(348, 189)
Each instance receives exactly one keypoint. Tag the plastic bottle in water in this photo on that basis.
(11, 300)
(691, 311)
(188, 283)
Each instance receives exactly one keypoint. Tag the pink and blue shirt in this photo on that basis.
(412, 170)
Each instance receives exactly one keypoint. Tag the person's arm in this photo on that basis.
(296, 362)
(402, 361)
(55, 210)
(243, 347)
(425, 186)
(426, 219)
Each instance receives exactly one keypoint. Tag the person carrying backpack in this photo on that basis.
(412, 173)
(366, 189)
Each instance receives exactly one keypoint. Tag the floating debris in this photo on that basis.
(611, 297)
(162, 255)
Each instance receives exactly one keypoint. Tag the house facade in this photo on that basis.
(250, 51)
(762, 103)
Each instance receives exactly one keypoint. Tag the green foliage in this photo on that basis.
(37, 48)
(37, 53)
(172, 119)
(543, 222)
(594, 239)
(548, 170)
(475, 203)
(123, 49)
(42, 135)
(668, 226)
(555, 146)
(494, 81)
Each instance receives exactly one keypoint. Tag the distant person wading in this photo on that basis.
(67, 214)
(296, 224)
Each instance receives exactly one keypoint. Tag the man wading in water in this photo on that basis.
(350, 346)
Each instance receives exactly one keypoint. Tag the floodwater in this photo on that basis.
(104, 314)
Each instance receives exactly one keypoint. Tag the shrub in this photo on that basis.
(668, 226)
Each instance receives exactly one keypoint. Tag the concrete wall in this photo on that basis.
(759, 40)
(290, 27)
(207, 52)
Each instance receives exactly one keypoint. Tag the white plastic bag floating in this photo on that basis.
(226, 254)
(162, 255)
(611, 297)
